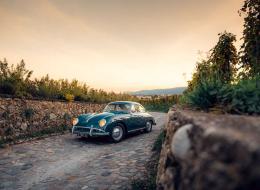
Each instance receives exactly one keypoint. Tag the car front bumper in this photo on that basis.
(88, 131)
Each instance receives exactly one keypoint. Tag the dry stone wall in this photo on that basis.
(20, 118)
(206, 151)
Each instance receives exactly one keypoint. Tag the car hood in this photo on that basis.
(93, 119)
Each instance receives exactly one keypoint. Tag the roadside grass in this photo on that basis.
(157, 146)
(34, 135)
(158, 108)
(148, 182)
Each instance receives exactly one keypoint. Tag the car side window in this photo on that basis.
(137, 109)
(142, 109)
(133, 110)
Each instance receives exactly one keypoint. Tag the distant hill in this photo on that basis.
(168, 91)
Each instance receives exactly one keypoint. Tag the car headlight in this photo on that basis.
(75, 121)
(102, 122)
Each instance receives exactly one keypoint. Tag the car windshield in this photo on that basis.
(118, 108)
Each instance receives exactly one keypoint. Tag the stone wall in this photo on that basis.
(20, 118)
(206, 151)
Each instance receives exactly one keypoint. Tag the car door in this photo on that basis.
(138, 117)
(143, 116)
(135, 118)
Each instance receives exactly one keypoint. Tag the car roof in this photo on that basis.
(124, 102)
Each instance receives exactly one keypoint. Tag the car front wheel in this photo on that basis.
(148, 127)
(117, 133)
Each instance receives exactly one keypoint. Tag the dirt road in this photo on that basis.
(70, 162)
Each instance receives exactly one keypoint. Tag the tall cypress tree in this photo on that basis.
(224, 58)
(250, 49)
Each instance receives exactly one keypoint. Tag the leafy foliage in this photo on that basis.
(28, 113)
(246, 97)
(159, 103)
(205, 95)
(250, 50)
(220, 66)
(213, 83)
(157, 146)
(15, 80)
(203, 70)
(241, 98)
(69, 97)
(223, 58)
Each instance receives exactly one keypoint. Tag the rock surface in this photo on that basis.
(20, 117)
(218, 152)
(180, 142)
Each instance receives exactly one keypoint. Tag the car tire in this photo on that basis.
(148, 127)
(117, 133)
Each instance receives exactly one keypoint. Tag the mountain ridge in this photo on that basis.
(165, 91)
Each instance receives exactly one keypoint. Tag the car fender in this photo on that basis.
(110, 126)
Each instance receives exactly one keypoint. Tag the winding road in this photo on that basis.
(69, 162)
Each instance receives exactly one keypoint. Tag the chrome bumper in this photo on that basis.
(92, 131)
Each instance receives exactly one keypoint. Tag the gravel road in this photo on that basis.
(70, 162)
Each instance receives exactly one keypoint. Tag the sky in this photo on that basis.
(115, 45)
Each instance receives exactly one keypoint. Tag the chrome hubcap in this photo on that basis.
(148, 126)
(117, 133)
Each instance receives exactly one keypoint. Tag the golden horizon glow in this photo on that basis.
(115, 45)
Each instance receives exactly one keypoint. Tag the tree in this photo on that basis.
(220, 64)
(202, 72)
(224, 58)
(250, 50)
(13, 79)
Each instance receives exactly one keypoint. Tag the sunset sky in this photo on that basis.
(119, 45)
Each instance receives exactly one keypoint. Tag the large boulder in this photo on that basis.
(207, 151)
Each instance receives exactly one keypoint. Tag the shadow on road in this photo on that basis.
(104, 140)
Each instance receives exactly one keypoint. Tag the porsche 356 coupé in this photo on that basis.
(117, 120)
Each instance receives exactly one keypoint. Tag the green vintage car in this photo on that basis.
(118, 119)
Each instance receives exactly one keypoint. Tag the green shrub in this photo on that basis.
(13, 78)
(148, 183)
(7, 88)
(246, 96)
(81, 98)
(157, 146)
(69, 97)
(224, 95)
(183, 99)
(242, 98)
(28, 113)
(160, 103)
(206, 94)
(158, 107)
